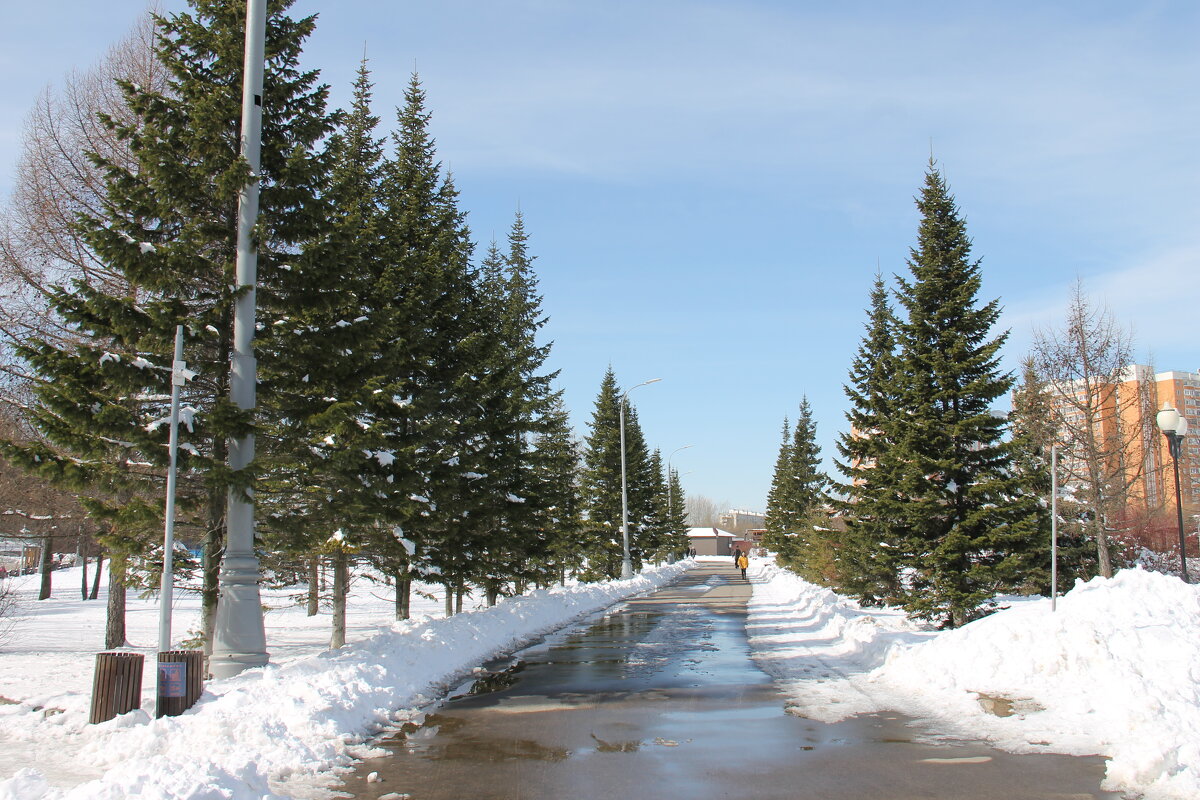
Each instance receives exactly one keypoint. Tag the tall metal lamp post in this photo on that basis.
(673, 452)
(239, 640)
(1174, 426)
(626, 563)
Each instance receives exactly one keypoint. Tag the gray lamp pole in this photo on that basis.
(167, 583)
(1174, 426)
(673, 452)
(239, 641)
(626, 563)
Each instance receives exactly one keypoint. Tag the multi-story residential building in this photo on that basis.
(1138, 460)
(1182, 391)
(741, 522)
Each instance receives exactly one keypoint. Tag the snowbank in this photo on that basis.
(1114, 671)
(285, 723)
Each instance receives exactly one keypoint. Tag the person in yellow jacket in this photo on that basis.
(742, 563)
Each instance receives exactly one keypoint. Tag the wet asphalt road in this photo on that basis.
(659, 698)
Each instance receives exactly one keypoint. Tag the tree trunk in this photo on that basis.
(341, 570)
(210, 588)
(449, 599)
(96, 580)
(493, 591)
(458, 597)
(314, 588)
(81, 557)
(1104, 560)
(562, 576)
(44, 567)
(403, 593)
(114, 628)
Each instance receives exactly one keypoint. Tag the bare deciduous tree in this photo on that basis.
(31, 510)
(8, 609)
(1100, 412)
(40, 245)
(57, 181)
(702, 512)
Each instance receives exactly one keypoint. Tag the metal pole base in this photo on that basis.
(239, 640)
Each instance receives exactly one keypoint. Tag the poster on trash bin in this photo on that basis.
(172, 678)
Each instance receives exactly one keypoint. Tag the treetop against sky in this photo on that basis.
(709, 188)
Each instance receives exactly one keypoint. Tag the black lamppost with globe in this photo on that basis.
(1174, 426)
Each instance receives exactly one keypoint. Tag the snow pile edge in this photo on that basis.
(299, 719)
(1114, 671)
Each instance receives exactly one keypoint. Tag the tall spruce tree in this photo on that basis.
(438, 398)
(966, 521)
(601, 483)
(320, 359)
(677, 522)
(655, 540)
(808, 481)
(799, 499)
(869, 556)
(167, 229)
(779, 523)
(556, 467)
(530, 402)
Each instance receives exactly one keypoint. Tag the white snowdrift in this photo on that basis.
(1114, 671)
(287, 723)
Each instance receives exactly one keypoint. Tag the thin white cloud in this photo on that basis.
(1156, 296)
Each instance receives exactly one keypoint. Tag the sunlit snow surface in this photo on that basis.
(1114, 671)
(268, 732)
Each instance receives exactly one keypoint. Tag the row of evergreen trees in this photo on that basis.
(941, 508)
(405, 411)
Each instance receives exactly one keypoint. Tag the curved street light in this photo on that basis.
(626, 564)
(1174, 426)
(673, 452)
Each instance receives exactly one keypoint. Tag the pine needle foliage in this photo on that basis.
(965, 520)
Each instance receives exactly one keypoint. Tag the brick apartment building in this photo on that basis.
(1126, 412)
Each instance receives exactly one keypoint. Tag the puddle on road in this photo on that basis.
(641, 725)
(493, 681)
(448, 738)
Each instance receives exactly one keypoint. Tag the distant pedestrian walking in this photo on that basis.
(742, 563)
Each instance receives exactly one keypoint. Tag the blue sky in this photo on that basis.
(710, 186)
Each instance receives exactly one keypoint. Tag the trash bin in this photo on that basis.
(180, 681)
(117, 686)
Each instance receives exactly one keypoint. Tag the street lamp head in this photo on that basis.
(1181, 428)
(1169, 419)
(631, 388)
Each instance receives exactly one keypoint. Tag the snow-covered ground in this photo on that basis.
(1115, 670)
(271, 732)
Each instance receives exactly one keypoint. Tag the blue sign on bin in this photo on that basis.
(172, 679)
